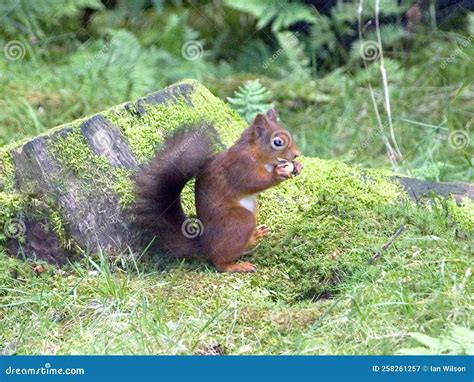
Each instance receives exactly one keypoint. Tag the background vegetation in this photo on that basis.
(70, 64)
(397, 96)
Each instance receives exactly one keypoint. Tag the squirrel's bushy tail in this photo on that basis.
(158, 211)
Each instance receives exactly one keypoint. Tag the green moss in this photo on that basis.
(146, 132)
(325, 225)
(16, 207)
(12, 203)
(463, 214)
(123, 186)
(12, 206)
(75, 155)
(70, 151)
(94, 172)
(55, 220)
(7, 172)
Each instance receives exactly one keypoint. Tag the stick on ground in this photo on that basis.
(387, 244)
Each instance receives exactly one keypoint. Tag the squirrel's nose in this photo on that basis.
(296, 153)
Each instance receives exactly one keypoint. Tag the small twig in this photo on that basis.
(387, 244)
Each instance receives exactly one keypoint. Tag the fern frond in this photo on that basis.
(256, 8)
(458, 340)
(250, 100)
(280, 13)
(291, 14)
(298, 60)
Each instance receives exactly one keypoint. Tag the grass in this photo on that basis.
(315, 294)
(130, 307)
(429, 100)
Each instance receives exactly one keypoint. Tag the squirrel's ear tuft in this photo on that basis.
(272, 114)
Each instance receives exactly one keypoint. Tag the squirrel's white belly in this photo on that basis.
(269, 167)
(249, 202)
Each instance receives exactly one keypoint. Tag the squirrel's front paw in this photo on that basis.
(284, 170)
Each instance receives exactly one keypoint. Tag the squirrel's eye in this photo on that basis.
(277, 142)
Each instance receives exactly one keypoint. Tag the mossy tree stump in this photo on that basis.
(69, 191)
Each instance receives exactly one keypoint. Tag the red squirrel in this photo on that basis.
(226, 186)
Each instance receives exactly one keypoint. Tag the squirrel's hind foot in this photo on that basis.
(236, 267)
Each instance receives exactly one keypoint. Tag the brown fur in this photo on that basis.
(221, 182)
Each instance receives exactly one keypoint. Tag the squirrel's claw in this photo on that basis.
(297, 168)
(261, 231)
